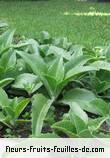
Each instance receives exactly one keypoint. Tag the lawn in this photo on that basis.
(60, 18)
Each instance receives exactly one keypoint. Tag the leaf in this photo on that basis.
(6, 39)
(9, 113)
(78, 117)
(3, 98)
(40, 107)
(35, 62)
(28, 82)
(94, 124)
(21, 65)
(45, 37)
(77, 50)
(66, 127)
(5, 82)
(78, 95)
(98, 85)
(78, 70)
(56, 70)
(20, 107)
(81, 96)
(3, 120)
(39, 67)
(12, 61)
(101, 65)
(101, 82)
(86, 133)
(62, 43)
(33, 46)
(76, 61)
(8, 61)
(50, 84)
(56, 51)
(100, 106)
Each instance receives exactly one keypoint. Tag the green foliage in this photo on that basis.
(11, 108)
(78, 124)
(56, 75)
(41, 105)
(28, 82)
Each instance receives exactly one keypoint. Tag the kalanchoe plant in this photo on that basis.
(54, 77)
(55, 74)
(78, 124)
(87, 101)
(10, 109)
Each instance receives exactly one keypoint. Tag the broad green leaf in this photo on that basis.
(3, 98)
(35, 62)
(8, 61)
(28, 82)
(103, 75)
(13, 103)
(56, 70)
(78, 117)
(3, 120)
(62, 43)
(21, 106)
(50, 84)
(45, 37)
(86, 133)
(100, 106)
(94, 124)
(101, 81)
(78, 95)
(6, 40)
(21, 44)
(33, 46)
(77, 50)
(76, 61)
(81, 96)
(78, 70)
(66, 127)
(101, 65)
(98, 85)
(12, 61)
(5, 82)
(9, 113)
(40, 107)
(58, 52)
(39, 67)
(21, 65)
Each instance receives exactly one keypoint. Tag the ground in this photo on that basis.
(60, 18)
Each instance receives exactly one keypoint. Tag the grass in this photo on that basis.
(60, 18)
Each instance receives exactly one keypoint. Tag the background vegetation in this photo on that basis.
(60, 18)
